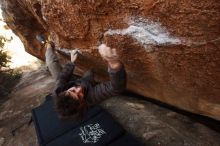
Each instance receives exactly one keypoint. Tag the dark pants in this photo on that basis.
(52, 62)
(55, 68)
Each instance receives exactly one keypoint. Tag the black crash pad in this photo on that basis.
(97, 128)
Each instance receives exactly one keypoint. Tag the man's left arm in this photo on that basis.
(67, 72)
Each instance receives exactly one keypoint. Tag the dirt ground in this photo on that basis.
(152, 124)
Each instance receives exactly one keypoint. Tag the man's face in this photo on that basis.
(75, 92)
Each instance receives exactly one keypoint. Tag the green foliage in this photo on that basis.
(4, 58)
(2, 41)
(8, 80)
(8, 77)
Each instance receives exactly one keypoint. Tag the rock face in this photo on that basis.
(151, 124)
(171, 49)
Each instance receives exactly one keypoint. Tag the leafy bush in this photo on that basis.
(4, 58)
(8, 80)
(8, 77)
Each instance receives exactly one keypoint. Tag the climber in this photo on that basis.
(73, 97)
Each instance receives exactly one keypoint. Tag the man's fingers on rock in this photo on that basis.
(100, 51)
(114, 52)
(102, 46)
(107, 53)
(73, 51)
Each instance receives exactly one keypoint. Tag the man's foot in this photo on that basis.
(41, 39)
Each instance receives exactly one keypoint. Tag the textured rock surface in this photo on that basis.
(171, 48)
(150, 123)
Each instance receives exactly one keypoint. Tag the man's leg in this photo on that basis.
(52, 62)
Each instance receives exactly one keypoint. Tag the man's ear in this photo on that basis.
(66, 93)
(58, 90)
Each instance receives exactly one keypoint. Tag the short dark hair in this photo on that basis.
(69, 108)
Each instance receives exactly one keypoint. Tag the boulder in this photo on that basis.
(171, 49)
(150, 123)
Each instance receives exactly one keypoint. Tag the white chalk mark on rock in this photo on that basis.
(147, 33)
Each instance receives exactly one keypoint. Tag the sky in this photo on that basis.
(15, 48)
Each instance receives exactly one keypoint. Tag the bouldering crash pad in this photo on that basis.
(96, 128)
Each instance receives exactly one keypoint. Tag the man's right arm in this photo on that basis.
(114, 87)
(117, 75)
